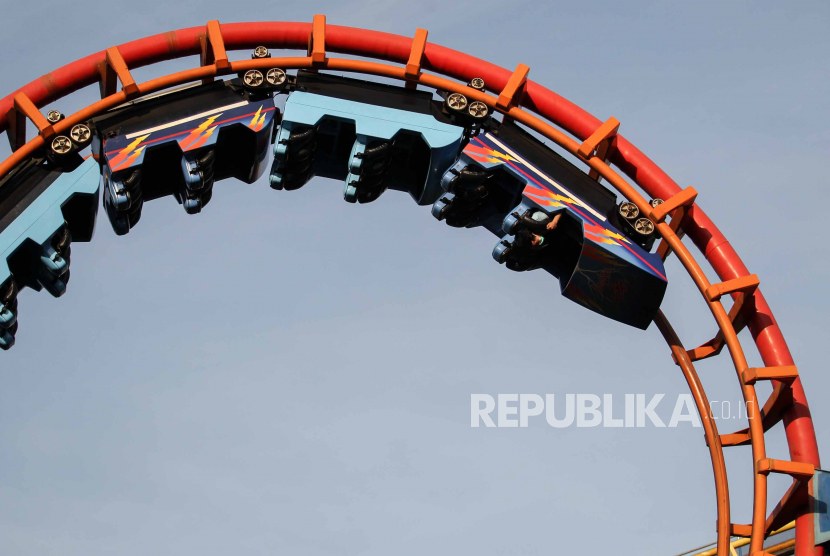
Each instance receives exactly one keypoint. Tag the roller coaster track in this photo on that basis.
(595, 143)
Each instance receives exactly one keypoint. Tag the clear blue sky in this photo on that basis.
(289, 374)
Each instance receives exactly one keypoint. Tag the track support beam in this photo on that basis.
(416, 56)
(790, 505)
(663, 248)
(685, 198)
(113, 68)
(317, 40)
(784, 374)
(742, 310)
(213, 49)
(22, 109)
(744, 284)
(796, 469)
(602, 142)
(778, 403)
(513, 92)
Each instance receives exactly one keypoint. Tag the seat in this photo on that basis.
(530, 248)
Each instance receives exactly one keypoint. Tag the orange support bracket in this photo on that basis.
(317, 40)
(604, 133)
(663, 248)
(790, 505)
(773, 411)
(112, 68)
(416, 55)
(21, 109)
(796, 469)
(512, 93)
(739, 313)
(603, 141)
(683, 199)
(213, 49)
(784, 374)
(739, 530)
(744, 284)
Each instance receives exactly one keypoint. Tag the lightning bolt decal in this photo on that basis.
(125, 152)
(127, 163)
(494, 156)
(197, 132)
(203, 139)
(254, 122)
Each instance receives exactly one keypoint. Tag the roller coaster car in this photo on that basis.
(179, 144)
(598, 266)
(372, 136)
(44, 206)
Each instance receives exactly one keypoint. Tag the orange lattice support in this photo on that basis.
(796, 498)
(213, 49)
(685, 198)
(112, 69)
(773, 411)
(664, 248)
(512, 93)
(317, 40)
(784, 374)
(801, 471)
(416, 55)
(22, 109)
(745, 284)
(739, 530)
(603, 142)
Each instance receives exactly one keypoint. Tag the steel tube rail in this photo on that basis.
(710, 429)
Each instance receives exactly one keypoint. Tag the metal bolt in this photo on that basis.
(253, 78)
(275, 76)
(477, 109)
(261, 52)
(53, 116)
(644, 226)
(477, 83)
(80, 133)
(629, 210)
(457, 101)
(61, 144)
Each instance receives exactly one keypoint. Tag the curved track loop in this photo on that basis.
(716, 249)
